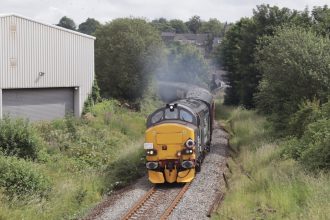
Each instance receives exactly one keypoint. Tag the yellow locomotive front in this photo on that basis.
(170, 145)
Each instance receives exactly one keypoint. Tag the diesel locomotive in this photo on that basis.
(178, 136)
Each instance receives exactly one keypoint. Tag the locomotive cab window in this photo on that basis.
(171, 114)
(158, 116)
(186, 116)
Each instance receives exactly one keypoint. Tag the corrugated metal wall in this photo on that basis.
(35, 55)
(38, 104)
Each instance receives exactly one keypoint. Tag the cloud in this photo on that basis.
(51, 11)
(50, 15)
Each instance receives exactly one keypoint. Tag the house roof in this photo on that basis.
(198, 38)
(49, 25)
(167, 34)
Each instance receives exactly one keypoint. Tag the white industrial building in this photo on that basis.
(46, 71)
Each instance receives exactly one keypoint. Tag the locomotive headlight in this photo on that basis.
(187, 151)
(151, 152)
(190, 143)
(148, 146)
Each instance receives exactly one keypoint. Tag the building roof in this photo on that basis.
(167, 34)
(49, 25)
(198, 38)
(194, 36)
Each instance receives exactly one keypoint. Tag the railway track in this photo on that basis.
(157, 203)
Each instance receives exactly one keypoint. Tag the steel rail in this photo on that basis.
(175, 202)
(139, 204)
(138, 210)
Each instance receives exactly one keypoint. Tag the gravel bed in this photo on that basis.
(208, 183)
(120, 203)
(194, 204)
(162, 203)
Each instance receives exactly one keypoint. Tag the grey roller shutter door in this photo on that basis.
(38, 104)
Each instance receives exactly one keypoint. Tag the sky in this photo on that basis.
(50, 11)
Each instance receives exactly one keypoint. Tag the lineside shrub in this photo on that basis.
(313, 148)
(20, 178)
(18, 137)
(308, 112)
(316, 145)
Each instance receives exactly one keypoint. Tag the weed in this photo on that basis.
(84, 159)
(279, 188)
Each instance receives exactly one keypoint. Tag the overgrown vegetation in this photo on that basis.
(277, 61)
(78, 161)
(264, 184)
(17, 138)
(20, 179)
(311, 141)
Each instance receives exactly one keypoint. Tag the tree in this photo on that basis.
(213, 26)
(67, 23)
(321, 20)
(294, 64)
(236, 56)
(179, 26)
(162, 25)
(127, 52)
(89, 26)
(236, 53)
(194, 24)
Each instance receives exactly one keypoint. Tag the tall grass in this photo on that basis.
(84, 160)
(262, 184)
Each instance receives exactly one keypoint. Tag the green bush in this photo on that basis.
(313, 149)
(18, 137)
(308, 112)
(313, 146)
(93, 98)
(316, 145)
(20, 178)
(291, 148)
